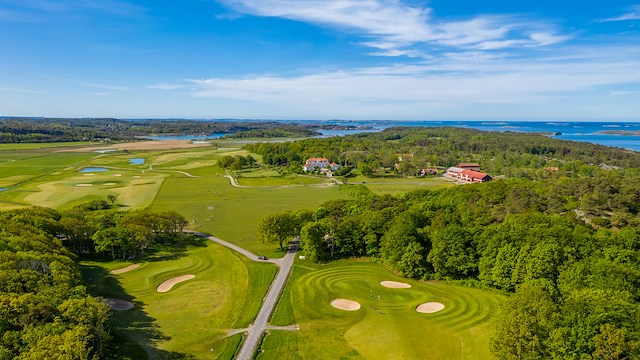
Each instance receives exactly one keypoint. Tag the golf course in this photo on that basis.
(386, 325)
(191, 302)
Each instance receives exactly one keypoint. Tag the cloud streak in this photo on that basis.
(393, 27)
(452, 82)
(633, 14)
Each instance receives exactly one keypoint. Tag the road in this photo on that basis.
(270, 300)
(269, 303)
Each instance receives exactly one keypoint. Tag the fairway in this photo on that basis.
(213, 206)
(194, 316)
(394, 329)
(400, 186)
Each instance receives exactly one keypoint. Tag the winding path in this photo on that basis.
(269, 302)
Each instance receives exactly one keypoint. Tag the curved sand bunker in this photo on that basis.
(395, 284)
(124, 269)
(108, 184)
(118, 305)
(344, 304)
(168, 284)
(430, 307)
(84, 185)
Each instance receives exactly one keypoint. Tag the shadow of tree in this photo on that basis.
(135, 333)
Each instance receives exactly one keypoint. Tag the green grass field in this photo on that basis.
(195, 316)
(233, 213)
(399, 186)
(393, 330)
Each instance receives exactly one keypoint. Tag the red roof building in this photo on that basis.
(469, 166)
(473, 176)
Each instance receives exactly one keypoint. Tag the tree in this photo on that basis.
(529, 317)
(112, 198)
(276, 228)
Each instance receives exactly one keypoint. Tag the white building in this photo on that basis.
(321, 163)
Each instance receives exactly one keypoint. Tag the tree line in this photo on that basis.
(568, 249)
(45, 310)
(533, 156)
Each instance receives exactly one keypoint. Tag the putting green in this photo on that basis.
(387, 325)
(195, 316)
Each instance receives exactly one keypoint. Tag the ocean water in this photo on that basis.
(574, 131)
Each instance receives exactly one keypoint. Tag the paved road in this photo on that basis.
(243, 251)
(269, 303)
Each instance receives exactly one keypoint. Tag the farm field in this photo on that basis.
(460, 331)
(194, 316)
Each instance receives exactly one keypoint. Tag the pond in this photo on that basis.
(137, 161)
(93, 169)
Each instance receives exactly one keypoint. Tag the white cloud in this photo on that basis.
(633, 14)
(456, 81)
(393, 27)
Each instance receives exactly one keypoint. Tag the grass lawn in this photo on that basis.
(399, 186)
(192, 318)
(393, 330)
(213, 206)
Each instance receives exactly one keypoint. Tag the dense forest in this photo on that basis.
(499, 153)
(25, 130)
(45, 311)
(568, 248)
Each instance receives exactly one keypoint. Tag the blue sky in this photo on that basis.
(321, 59)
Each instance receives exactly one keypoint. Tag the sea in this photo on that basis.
(624, 135)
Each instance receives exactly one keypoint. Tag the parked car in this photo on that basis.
(262, 257)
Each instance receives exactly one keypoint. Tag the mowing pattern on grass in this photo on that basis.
(387, 325)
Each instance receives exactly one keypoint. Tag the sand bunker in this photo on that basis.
(90, 174)
(108, 184)
(344, 304)
(117, 175)
(84, 185)
(124, 269)
(395, 284)
(118, 305)
(429, 308)
(168, 284)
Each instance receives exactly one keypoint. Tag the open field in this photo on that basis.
(214, 206)
(32, 146)
(393, 330)
(194, 316)
(399, 186)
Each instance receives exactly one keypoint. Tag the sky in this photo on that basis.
(322, 59)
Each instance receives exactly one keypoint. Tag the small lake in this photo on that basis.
(93, 169)
(137, 161)
(3, 189)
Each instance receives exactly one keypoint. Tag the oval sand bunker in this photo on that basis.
(344, 304)
(430, 307)
(395, 284)
(124, 269)
(168, 284)
(118, 305)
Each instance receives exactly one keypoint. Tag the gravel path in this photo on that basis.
(271, 299)
(269, 303)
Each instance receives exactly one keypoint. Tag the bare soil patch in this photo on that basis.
(168, 284)
(118, 304)
(142, 145)
(124, 269)
(430, 307)
(344, 304)
(395, 284)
